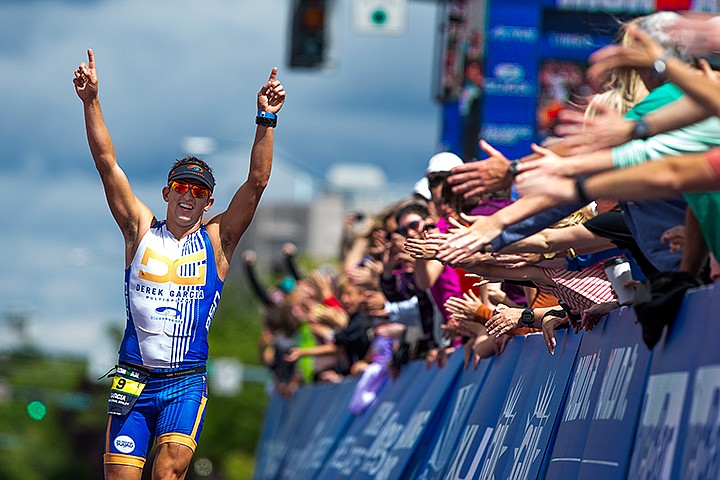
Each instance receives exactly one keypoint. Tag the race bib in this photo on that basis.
(127, 385)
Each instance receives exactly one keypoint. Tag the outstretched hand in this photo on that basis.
(641, 55)
(86, 80)
(271, 96)
(489, 175)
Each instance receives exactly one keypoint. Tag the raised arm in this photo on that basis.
(131, 215)
(235, 220)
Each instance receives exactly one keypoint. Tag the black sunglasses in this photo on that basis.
(413, 226)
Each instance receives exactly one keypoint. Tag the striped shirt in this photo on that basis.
(580, 290)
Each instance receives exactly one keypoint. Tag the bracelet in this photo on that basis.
(580, 189)
(266, 119)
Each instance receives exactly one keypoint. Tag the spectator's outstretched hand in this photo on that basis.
(249, 257)
(500, 343)
(465, 241)
(465, 306)
(288, 249)
(547, 163)
(475, 178)
(698, 34)
(366, 275)
(641, 55)
(271, 96)
(606, 129)
(425, 248)
(559, 188)
(675, 238)
(549, 323)
(592, 315)
(503, 320)
(86, 80)
(517, 260)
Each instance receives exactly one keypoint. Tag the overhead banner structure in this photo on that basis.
(602, 407)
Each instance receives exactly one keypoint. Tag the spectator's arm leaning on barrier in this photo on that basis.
(506, 318)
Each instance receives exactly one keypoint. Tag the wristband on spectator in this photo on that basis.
(580, 189)
(266, 119)
(483, 314)
(713, 159)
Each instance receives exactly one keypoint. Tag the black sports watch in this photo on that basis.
(512, 168)
(527, 317)
(640, 130)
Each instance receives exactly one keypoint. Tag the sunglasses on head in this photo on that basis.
(195, 190)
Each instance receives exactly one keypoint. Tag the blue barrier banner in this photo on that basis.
(445, 434)
(603, 407)
(699, 438)
(270, 445)
(482, 421)
(324, 423)
(282, 442)
(598, 422)
(420, 412)
(673, 363)
(546, 395)
(367, 435)
(514, 410)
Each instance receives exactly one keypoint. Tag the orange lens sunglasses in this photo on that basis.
(195, 190)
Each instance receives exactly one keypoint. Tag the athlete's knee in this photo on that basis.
(171, 461)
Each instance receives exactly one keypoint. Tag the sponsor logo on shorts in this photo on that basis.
(125, 444)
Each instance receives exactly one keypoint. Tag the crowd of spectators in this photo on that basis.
(484, 250)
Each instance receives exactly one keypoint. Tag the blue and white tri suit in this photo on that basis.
(172, 290)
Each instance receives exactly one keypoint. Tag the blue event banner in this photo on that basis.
(443, 436)
(699, 451)
(482, 423)
(598, 422)
(673, 364)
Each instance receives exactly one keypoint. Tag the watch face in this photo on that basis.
(641, 129)
(527, 317)
(659, 67)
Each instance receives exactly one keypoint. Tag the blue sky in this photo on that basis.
(169, 70)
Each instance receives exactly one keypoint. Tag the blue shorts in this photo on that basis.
(168, 410)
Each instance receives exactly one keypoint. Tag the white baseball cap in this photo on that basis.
(443, 162)
(422, 188)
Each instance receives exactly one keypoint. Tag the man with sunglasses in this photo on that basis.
(175, 269)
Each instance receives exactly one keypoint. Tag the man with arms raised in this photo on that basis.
(174, 275)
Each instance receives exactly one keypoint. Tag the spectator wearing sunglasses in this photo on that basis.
(175, 269)
(443, 281)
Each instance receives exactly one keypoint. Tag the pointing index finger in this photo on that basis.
(273, 74)
(91, 59)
